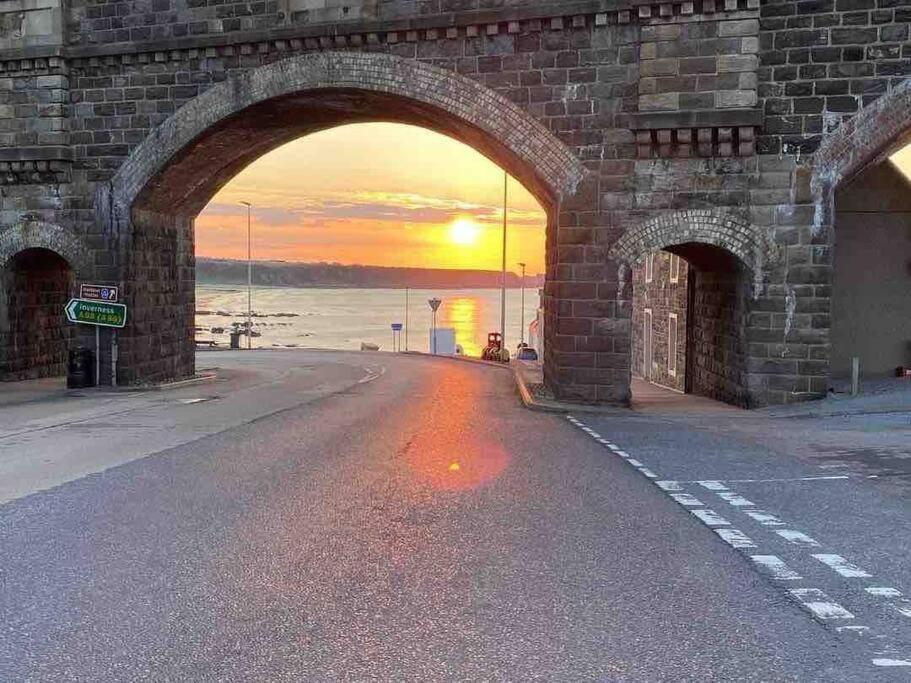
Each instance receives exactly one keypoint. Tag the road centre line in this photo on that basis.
(710, 517)
(813, 600)
(687, 500)
(885, 661)
(883, 591)
(735, 538)
(819, 604)
(841, 566)
(774, 567)
(764, 518)
(713, 485)
(797, 537)
(735, 499)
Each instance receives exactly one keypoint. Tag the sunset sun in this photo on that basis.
(464, 232)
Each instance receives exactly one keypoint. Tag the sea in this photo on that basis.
(289, 317)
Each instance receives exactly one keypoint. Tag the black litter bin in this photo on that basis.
(235, 340)
(80, 368)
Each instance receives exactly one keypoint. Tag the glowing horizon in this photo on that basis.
(378, 194)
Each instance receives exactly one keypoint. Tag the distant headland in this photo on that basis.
(212, 271)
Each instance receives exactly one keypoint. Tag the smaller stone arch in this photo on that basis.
(864, 138)
(717, 227)
(31, 233)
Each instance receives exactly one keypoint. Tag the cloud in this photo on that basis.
(373, 206)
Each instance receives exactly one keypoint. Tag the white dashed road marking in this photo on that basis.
(735, 499)
(813, 600)
(797, 537)
(713, 485)
(774, 567)
(884, 661)
(669, 485)
(710, 517)
(841, 566)
(764, 518)
(883, 591)
(687, 500)
(819, 604)
(735, 538)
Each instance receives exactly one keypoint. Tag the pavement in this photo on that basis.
(351, 516)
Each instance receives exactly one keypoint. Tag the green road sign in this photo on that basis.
(96, 313)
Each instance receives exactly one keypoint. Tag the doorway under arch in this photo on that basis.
(692, 277)
(35, 283)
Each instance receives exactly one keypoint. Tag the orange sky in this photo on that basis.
(379, 194)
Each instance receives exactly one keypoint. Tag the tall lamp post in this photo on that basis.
(522, 325)
(249, 278)
(503, 275)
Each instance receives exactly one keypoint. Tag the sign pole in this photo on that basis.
(406, 318)
(114, 358)
(97, 355)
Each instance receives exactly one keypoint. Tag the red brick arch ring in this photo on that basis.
(717, 227)
(35, 234)
(867, 137)
(187, 158)
(863, 140)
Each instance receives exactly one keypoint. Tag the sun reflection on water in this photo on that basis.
(464, 315)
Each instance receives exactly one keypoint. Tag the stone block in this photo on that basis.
(659, 102)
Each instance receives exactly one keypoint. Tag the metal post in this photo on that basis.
(522, 323)
(406, 318)
(249, 278)
(113, 358)
(97, 355)
(433, 332)
(503, 275)
(855, 375)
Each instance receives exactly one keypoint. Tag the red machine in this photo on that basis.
(494, 348)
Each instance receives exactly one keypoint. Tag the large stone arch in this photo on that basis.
(351, 87)
(35, 234)
(150, 202)
(717, 227)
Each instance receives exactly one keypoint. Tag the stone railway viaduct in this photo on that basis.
(720, 130)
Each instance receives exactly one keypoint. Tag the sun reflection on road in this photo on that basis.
(448, 452)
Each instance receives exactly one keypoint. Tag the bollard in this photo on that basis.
(855, 375)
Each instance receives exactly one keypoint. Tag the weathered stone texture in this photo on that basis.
(639, 127)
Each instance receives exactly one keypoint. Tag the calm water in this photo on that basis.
(343, 318)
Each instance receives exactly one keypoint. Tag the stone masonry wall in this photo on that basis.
(643, 94)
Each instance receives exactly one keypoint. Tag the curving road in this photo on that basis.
(368, 517)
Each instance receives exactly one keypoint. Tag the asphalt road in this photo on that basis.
(400, 519)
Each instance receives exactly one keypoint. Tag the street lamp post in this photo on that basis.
(522, 324)
(503, 274)
(249, 277)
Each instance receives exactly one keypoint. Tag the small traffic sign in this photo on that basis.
(396, 327)
(99, 313)
(107, 293)
(434, 303)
